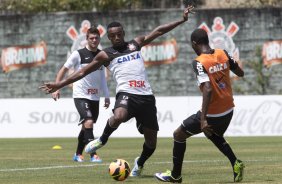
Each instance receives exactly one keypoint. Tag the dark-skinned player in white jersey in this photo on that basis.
(134, 96)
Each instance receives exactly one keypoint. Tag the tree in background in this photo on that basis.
(214, 4)
(35, 6)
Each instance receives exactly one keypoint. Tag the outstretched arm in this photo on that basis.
(162, 29)
(97, 62)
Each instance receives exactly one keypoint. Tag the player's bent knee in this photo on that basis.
(88, 123)
(180, 135)
(118, 118)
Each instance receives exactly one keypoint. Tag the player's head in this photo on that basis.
(116, 34)
(199, 38)
(93, 37)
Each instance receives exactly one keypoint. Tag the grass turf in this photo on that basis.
(32, 161)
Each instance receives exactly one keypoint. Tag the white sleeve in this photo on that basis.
(104, 83)
(73, 60)
(201, 73)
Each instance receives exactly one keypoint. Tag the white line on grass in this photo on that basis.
(106, 164)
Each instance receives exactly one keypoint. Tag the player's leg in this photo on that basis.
(80, 146)
(89, 127)
(190, 126)
(220, 125)
(86, 133)
(88, 137)
(149, 147)
(145, 113)
(120, 115)
(88, 111)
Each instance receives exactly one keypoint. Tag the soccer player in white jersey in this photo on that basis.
(86, 91)
(134, 95)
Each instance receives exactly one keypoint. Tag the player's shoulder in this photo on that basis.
(75, 54)
(82, 49)
(133, 45)
(195, 62)
(197, 65)
(139, 40)
(223, 52)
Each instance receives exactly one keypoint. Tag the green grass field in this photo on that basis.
(32, 161)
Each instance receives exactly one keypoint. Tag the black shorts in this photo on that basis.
(142, 107)
(87, 109)
(192, 125)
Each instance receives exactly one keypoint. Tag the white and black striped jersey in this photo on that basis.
(128, 69)
(94, 84)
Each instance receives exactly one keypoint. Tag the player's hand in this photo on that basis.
(188, 9)
(49, 87)
(56, 95)
(206, 128)
(107, 103)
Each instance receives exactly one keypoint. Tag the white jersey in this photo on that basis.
(128, 69)
(94, 84)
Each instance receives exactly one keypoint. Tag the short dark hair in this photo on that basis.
(113, 24)
(199, 36)
(92, 30)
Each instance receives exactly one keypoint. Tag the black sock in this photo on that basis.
(80, 144)
(107, 132)
(179, 149)
(88, 135)
(146, 153)
(224, 147)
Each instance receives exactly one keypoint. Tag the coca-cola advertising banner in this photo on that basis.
(272, 53)
(17, 57)
(253, 116)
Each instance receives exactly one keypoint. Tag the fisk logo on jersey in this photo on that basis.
(137, 83)
(200, 68)
(92, 91)
(129, 57)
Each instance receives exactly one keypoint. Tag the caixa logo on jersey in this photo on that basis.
(130, 57)
(79, 39)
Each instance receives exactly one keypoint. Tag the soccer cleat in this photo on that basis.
(238, 170)
(92, 146)
(77, 158)
(95, 159)
(137, 170)
(167, 177)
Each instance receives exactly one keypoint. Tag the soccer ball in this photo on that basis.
(119, 169)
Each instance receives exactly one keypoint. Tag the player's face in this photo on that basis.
(116, 36)
(93, 40)
(196, 49)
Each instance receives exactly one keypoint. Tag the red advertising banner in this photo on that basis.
(159, 53)
(17, 57)
(272, 53)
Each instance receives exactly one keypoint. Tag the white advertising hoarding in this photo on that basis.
(253, 116)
